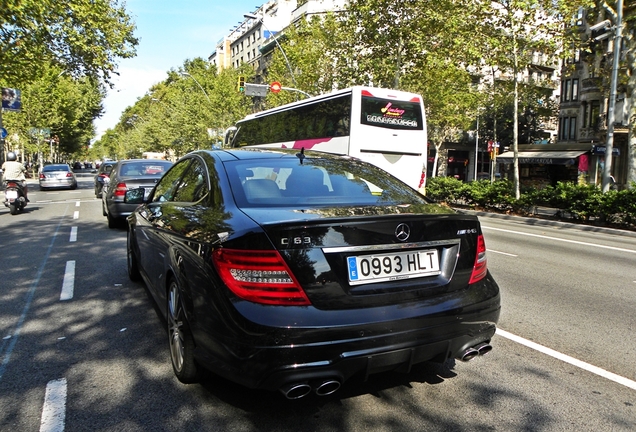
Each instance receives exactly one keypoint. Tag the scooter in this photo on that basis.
(14, 196)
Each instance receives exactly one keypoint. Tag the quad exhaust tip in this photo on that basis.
(302, 389)
(475, 351)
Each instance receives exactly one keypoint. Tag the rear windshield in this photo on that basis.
(317, 181)
(150, 168)
(49, 168)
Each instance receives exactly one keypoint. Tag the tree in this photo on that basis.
(189, 110)
(81, 37)
(62, 104)
(513, 31)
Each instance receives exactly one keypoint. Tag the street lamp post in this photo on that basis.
(254, 17)
(195, 80)
(609, 148)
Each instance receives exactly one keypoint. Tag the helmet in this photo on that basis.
(11, 156)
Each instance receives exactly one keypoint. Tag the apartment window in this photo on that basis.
(565, 127)
(595, 112)
(586, 114)
(575, 89)
(572, 133)
(565, 90)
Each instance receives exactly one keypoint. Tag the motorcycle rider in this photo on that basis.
(14, 170)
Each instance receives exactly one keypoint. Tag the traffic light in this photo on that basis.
(241, 84)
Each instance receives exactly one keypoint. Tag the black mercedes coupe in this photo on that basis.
(295, 271)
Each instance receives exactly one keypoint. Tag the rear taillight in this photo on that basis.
(68, 174)
(480, 269)
(11, 184)
(259, 276)
(120, 189)
(42, 176)
(103, 176)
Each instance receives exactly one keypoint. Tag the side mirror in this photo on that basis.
(135, 196)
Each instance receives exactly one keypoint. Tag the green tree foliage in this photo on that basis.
(82, 37)
(515, 31)
(189, 110)
(55, 101)
(311, 47)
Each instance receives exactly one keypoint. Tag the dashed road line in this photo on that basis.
(54, 410)
(73, 236)
(69, 281)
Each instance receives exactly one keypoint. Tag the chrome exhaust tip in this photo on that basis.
(295, 390)
(468, 354)
(327, 387)
(483, 348)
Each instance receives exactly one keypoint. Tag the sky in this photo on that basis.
(170, 32)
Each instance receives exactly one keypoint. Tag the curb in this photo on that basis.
(538, 221)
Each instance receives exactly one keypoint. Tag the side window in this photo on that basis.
(167, 186)
(194, 185)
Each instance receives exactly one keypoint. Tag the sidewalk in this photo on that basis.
(544, 216)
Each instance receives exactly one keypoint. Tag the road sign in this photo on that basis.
(255, 90)
(275, 87)
(3, 133)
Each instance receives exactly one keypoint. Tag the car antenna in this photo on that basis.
(301, 155)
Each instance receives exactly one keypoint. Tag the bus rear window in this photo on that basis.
(390, 113)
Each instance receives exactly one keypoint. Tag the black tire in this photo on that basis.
(180, 340)
(133, 267)
(13, 209)
(112, 222)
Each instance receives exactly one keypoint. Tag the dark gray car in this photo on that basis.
(103, 174)
(129, 174)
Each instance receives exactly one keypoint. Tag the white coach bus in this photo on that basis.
(384, 127)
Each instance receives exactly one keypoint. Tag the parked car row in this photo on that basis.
(125, 175)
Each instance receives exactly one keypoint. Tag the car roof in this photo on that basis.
(268, 153)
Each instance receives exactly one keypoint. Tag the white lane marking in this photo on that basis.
(69, 281)
(76, 215)
(77, 203)
(563, 240)
(73, 236)
(571, 360)
(502, 253)
(54, 410)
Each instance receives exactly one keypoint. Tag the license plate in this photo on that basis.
(11, 194)
(392, 266)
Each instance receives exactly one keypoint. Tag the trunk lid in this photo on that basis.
(386, 255)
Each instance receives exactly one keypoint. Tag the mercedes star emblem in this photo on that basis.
(402, 232)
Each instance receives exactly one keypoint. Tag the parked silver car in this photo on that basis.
(57, 176)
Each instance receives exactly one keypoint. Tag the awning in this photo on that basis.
(542, 157)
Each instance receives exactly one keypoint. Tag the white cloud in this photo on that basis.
(131, 85)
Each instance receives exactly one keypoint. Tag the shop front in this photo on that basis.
(541, 167)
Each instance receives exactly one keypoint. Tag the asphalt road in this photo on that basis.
(82, 347)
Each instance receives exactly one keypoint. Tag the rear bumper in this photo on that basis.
(274, 358)
(55, 184)
(120, 209)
